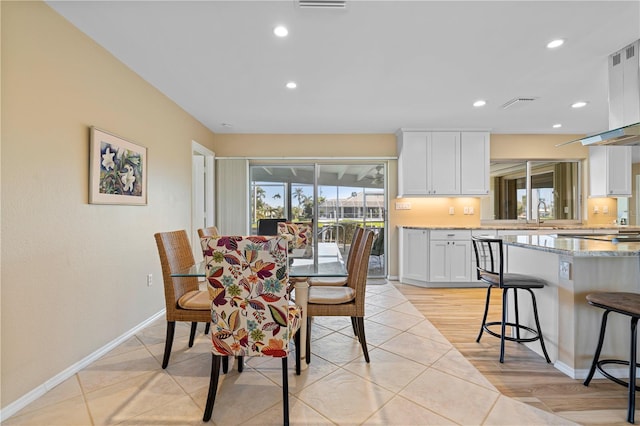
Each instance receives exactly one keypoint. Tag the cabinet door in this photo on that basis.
(412, 156)
(443, 163)
(474, 163)
(610, 171)
(439, 261)
(414, 254)
(460, 261)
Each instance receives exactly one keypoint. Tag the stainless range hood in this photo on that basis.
(627, 135)
(624, 100)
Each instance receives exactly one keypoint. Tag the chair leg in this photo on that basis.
(194, 327)
(353, 325)
(361, 336)
(225, 364)
(308, 342)
(206, 328)
(535, 316)
(285, 391)
(631, 409)
(596, 356)
(504, 323)
(213, 386)
(296, 340)
(168, 343)
(240, 360)
(486, 311)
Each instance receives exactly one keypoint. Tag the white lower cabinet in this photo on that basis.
(450, 256)
(414, 244)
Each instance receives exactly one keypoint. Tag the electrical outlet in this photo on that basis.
(149, 280)
(605, 209)
(466, 210)
(565, 270)
(566, 209)
(452, 210)
(595, 210)
(472, 210)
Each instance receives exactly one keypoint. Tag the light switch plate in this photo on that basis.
(403, 205)
(452, 210)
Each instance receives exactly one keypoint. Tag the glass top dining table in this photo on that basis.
(325, 261)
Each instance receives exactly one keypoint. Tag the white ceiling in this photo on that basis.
(373, 67)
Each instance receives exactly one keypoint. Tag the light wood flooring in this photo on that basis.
(524, 375)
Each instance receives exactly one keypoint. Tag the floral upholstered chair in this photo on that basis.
(251, 314)
(299, 235)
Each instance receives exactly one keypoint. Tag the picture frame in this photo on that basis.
(117, 170)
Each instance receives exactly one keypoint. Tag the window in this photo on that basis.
(533, 190)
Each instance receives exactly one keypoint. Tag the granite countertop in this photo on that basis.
(570, 246)
(531, 227)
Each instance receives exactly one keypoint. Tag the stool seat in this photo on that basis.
(620, 302)
(627, 304)
(512, 280)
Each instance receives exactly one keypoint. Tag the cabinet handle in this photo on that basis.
(451, 235)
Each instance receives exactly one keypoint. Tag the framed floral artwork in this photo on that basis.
(117, 170)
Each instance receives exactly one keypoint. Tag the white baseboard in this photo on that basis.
(40, 390)
(618, 372)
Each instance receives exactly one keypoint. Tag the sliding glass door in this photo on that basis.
(334, 197)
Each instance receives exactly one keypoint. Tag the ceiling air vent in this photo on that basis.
(517, 101)
(322, 4)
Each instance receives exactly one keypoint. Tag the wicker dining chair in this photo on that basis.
(183, 299)
(210, 231)
(353, 248)
(346, 300)
(251, 315)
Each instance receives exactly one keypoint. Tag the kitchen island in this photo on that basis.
(573, 267)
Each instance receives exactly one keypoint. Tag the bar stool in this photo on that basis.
(625, 304)
(490, 269)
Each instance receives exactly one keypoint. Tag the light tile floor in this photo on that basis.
(416, 377)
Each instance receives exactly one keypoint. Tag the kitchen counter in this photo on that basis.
(572, 268)
(571, 246)
(532, 227)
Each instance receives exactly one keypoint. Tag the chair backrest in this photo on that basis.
(247, 278)
(360, 270)
(299, 235)
(489, 259)
(175, 255)
(210, 231)
(269, 226)
(356, 241)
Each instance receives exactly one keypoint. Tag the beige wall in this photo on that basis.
(74, 274)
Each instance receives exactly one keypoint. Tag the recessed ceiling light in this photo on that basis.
(281, 31)
(555, 43)
(291, 85)
(557, 126)
(479, 103)
(579, 104)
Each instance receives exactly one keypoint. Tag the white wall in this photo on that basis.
(74, 274)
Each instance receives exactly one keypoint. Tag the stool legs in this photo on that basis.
(537, 333)
(631, 410)
(631, 385)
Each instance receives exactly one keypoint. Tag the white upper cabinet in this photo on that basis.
(610, 171)
(474, 163)
(443, 163)
(412, 171)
